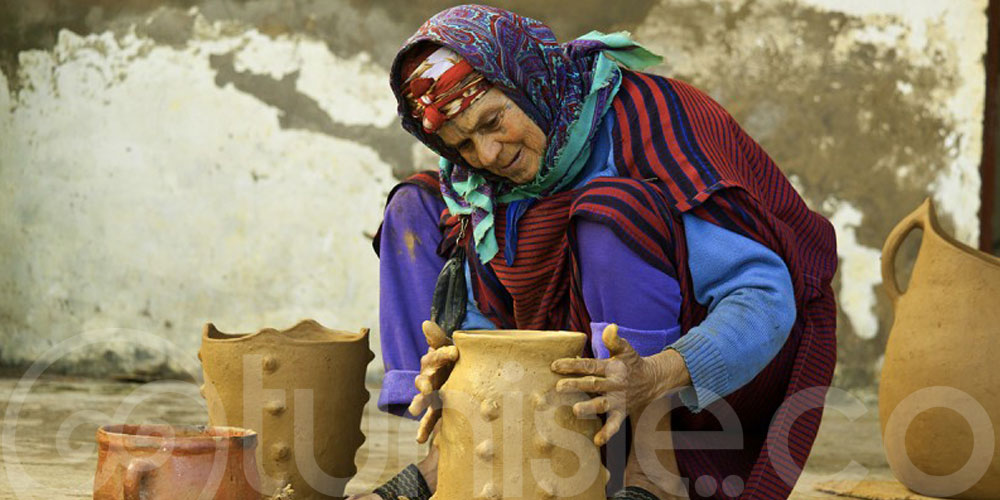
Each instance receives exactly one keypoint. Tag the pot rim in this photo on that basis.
(181, 438)
(210, 333)
(525, 335)
(928, 212)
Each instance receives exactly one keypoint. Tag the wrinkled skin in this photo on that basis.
(623, 383)
(495, 135)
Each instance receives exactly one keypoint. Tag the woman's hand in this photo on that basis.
(435, 366)
(624, 383)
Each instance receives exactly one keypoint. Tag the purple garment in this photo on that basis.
(408, 268)
(646, 315)
(746, 287)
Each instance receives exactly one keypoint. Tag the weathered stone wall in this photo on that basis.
(164, 164)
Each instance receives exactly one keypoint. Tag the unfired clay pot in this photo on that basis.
(162, 462)
(505, 432)
(302, 390)
(939, 397)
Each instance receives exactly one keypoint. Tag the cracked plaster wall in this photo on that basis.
(188, 161)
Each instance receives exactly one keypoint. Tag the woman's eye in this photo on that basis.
(494, 122)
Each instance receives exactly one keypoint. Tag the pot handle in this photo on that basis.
(918, 218)
(136, 472)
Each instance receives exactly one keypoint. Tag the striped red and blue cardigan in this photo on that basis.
(679, 151)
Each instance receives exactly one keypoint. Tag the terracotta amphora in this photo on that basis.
(163, 462)
(302, 390)
(939, 396)
(505, 431)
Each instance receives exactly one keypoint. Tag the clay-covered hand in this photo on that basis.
(435, 366)
(623, 383)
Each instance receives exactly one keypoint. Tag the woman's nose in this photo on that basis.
(488, 151)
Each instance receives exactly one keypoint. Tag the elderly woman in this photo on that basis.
(576, 193)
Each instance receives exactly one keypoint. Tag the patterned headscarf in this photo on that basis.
(564, 88)
(440, 86)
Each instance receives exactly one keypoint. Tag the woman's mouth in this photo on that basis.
(513, 162)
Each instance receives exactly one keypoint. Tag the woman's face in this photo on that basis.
(493, 134)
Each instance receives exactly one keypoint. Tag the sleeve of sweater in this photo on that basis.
(745, 285)
(408, 269)
(751, 310)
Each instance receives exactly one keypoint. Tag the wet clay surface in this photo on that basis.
(501, 397)
(303, 390)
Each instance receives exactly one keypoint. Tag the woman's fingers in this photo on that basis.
(435, 336)
(427, 424)
(588, 384)
(579, 366)
(423, 383)
(439, 358)
(434, 369)
(446, 355)
(419, 403)
(434, 361)
(616, 345)
(593, 407)
(611, 426)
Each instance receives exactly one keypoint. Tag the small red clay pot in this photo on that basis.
(153, 462)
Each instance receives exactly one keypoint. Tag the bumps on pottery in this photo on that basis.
(546, 489)
(275, 408)
(540, 400)
(484, 450)
(270, 364)
(490, 492)
(281, 451)
(489, 409)
(543, 444)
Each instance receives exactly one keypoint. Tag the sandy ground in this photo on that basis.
(49, 452)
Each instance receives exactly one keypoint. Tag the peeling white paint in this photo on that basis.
(860, 269)
(352, 91)
(149, 198)
(962, 24)
(956, 191)
(917, 15)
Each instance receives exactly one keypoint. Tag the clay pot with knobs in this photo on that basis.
(302, 390)
(505, 432)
